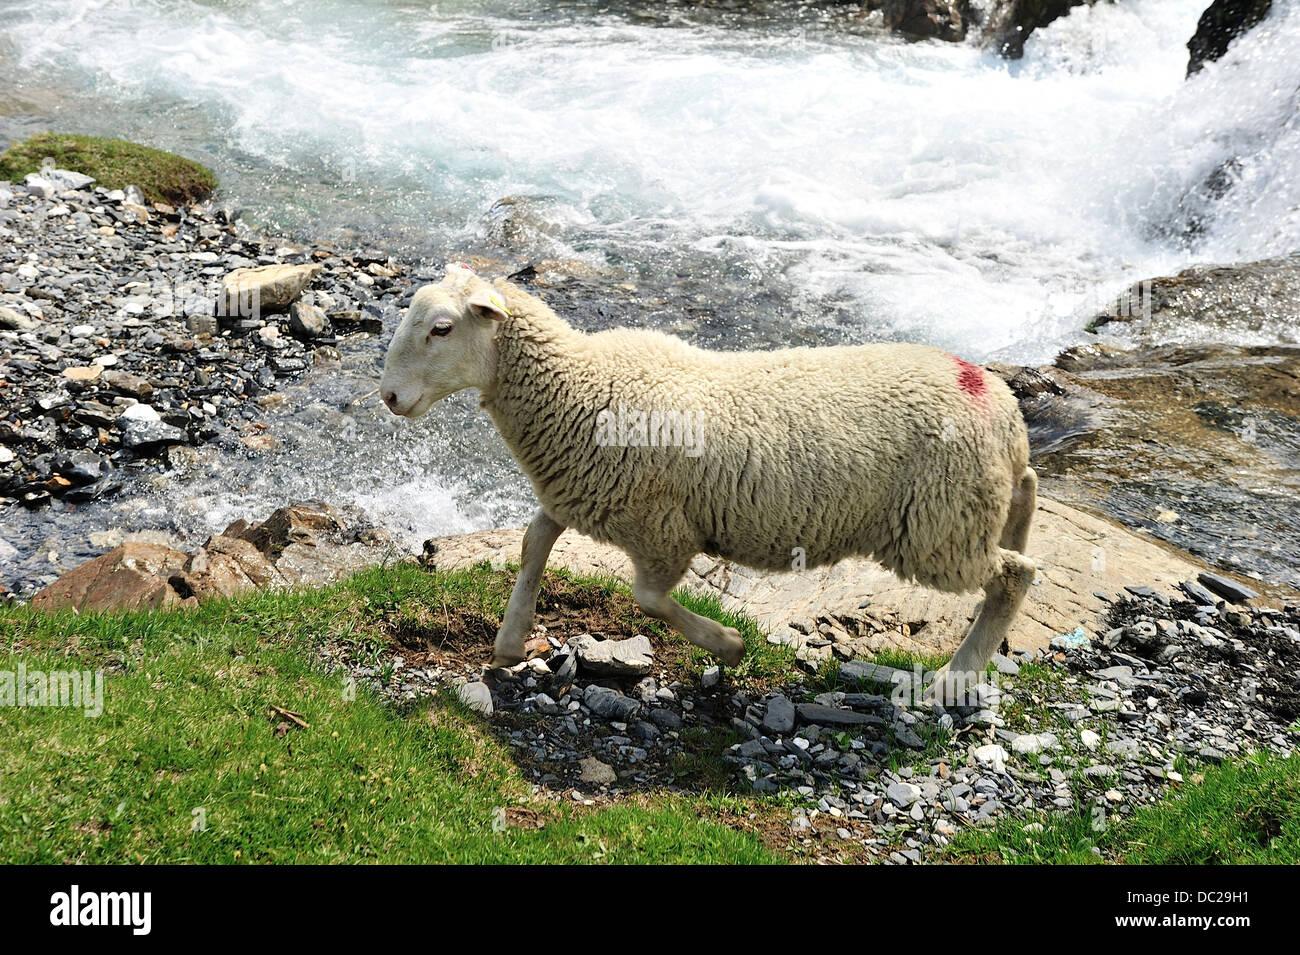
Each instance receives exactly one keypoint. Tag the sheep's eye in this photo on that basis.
(440, 328)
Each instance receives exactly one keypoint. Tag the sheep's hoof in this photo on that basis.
(733, 649)
(502, 661)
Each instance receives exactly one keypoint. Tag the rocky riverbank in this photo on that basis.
(1180, 416)
(124, 342)
(1103, 721)
(136, 335)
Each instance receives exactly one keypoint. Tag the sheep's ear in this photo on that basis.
(486, 303)
(458, 270)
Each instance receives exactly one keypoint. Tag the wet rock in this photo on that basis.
(308, 321)
(80, 467)
(925, 19)
(1206, 414)
(1221, 23)
(1009, 23)
(146, 434)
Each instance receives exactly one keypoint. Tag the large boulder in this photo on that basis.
(1003, 24)
(926, 19)
(134, 576)
(1221, 23)
(252, 292)
(226, 566)
(1210, 303)
(1009, 23)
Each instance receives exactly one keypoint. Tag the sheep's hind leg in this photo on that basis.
(1024, 500)
(539, 538)
(1002, 598)
(651, 590)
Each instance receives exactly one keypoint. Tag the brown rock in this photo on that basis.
(307, 523)
(125, 383)
(940, 19)
(82, 372)
(132, 576)
(226, 566)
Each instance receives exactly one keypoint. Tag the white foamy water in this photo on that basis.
(931, 191)
(925, 191)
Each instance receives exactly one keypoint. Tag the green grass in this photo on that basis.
(187, 734)
(1241, 813)
(763, 663)
(114, 163)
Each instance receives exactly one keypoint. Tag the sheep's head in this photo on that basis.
(444, 343)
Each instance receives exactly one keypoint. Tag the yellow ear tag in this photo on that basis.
(497, 302)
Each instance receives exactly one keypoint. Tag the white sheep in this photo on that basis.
(897, 452)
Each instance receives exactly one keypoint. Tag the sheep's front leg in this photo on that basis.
(651, 590)
(539, 538)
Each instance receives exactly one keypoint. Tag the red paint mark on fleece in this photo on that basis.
(970, 379)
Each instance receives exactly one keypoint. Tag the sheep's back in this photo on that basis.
(816, 454)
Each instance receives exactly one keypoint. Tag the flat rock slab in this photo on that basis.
(1078, 556)
(631, 657)
(831, 715)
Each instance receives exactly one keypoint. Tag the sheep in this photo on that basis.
(897, 452)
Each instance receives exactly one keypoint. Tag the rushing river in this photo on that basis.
(816, 179)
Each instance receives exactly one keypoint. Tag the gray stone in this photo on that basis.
(630, 657)
(779, 715)
(1005, 665)
(591, 770)
(15, 321)
(65, 179)
(1225, 588)
(903, 794)
(830, 716)
(477, 696)
(666, 718)
(609, 704)
(307, 321)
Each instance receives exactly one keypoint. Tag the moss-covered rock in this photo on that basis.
(114, 163)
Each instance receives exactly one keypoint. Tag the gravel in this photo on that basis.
(108, 306)
(1099, 727)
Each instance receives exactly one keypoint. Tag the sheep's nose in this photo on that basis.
(390, 399)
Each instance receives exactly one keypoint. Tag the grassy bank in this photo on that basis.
(222, 740)
(114, 164)
(190, 763)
